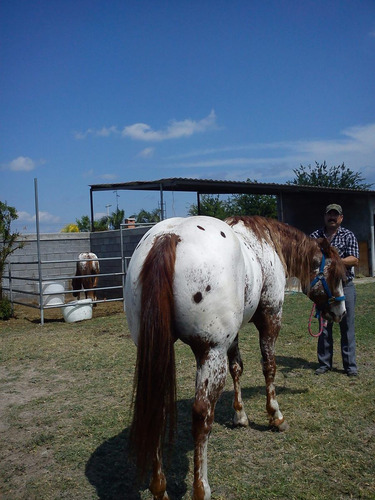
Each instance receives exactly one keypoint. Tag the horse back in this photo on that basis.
(86, 264)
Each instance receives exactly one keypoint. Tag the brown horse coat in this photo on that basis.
(86, 275)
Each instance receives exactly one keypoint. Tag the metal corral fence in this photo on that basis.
(46, 292)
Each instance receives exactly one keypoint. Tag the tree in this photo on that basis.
(84, 224)
(211, 205)
(338, 176)
(254, 204)
(102, 224)
(144, 216)
(8, 240)
(116, 219)
(238, 204)
(70, 228)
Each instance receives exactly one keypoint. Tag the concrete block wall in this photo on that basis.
(107, 244)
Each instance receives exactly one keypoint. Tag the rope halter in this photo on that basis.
(331, 298)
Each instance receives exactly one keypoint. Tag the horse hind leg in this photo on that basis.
(76, 285)
(240, 418)
(95, 284)
(210, 381)
(268, 326)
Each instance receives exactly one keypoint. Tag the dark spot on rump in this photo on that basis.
(201, 228)
(197, 297)
(206, 382)
(223, 234)
(208, 288)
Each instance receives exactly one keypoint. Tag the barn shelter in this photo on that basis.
(299, 206)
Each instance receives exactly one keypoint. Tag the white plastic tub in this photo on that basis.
(58, 293)
(78, 310)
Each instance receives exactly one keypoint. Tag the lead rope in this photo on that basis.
(322, 322)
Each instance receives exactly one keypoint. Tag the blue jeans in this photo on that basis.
(325, 342)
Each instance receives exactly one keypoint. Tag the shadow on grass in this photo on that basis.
(111, 471)
(287, 364)
(47, 320)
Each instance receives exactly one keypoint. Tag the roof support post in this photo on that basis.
(92, 211)
(280, 207)
(161, 202)
(199, 203)
(372, 243)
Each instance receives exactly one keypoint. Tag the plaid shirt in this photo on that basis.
(346, 244)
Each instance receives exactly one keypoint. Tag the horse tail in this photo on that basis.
(154, 397)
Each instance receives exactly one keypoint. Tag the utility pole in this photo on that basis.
(117, 197)
(107, 207)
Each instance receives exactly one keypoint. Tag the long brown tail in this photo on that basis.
(155, 376)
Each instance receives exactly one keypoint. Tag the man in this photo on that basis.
(347, 246)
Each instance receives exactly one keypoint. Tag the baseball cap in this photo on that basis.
(333, 206)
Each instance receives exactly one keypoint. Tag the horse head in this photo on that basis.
(326, 286)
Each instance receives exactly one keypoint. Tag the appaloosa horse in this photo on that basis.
(200, 280)
(86, 277)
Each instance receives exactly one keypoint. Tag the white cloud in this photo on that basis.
(103, 132)
(175, 129)
(143, 132)
(88, 173)
(147, 153)
(20, 164)
(363, 136)
(355, 147)
(108, 177)
(274, 162)
(25, 217)
(43, 217)
(47, 217)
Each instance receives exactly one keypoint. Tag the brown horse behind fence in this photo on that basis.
(86, 275)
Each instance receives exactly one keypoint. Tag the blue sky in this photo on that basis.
(93, 91)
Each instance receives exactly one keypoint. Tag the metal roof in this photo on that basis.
(210, 186)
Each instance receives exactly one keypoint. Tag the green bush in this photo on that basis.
(5, 308)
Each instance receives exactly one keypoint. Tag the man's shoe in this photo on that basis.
(321, 370)
(351, 374)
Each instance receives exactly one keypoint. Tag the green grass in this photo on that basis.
(65, 392)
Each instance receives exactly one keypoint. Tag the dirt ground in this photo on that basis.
(23, 459)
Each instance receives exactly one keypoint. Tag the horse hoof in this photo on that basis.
(283, 427)
(240, 421)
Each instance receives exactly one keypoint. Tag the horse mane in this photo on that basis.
(295, 249)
